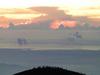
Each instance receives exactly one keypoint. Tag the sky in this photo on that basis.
(69, 13)
(41, 22)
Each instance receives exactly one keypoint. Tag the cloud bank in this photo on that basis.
(56, 15)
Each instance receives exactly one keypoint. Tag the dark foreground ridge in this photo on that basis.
(48, 71)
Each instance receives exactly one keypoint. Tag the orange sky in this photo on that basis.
(29, 11)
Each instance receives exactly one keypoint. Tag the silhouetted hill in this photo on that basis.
(48, 70)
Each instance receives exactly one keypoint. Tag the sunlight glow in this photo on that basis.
(66, 23)
(21, 16)
(84, 12)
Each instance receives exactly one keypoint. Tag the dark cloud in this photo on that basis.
(52, 12)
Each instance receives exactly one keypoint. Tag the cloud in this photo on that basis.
(4, 22)
(51, 12)
(53, 16)
(16, 11)
(65, 23)
(55, 25)
(17, 16)
(56, 15)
